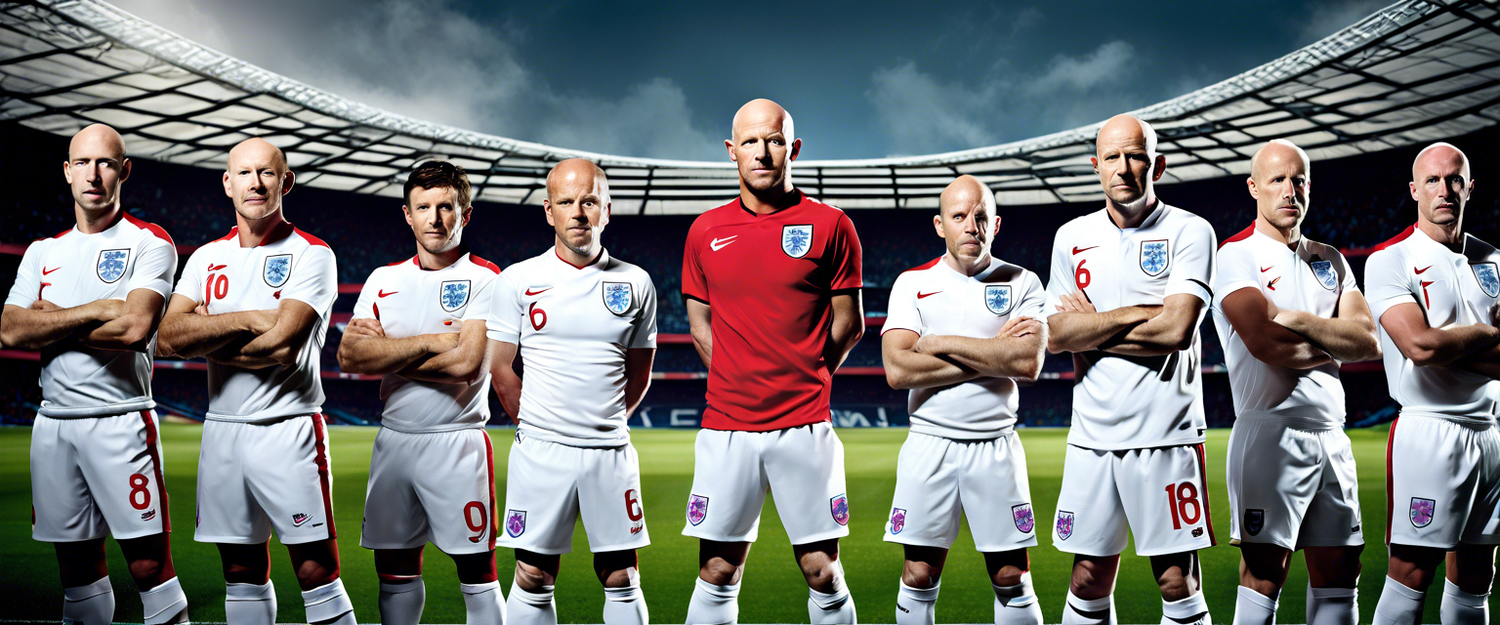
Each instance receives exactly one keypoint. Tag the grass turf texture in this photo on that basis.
(773, 590)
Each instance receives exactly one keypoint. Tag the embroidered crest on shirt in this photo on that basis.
(453, 294)
(1323, 269)
(997, 298)
(1154, 256)
(617, 297)
(112, 264)
(277, 269)
(796, 240)
(1488, 278)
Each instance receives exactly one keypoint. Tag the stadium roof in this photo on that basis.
(1415, 71)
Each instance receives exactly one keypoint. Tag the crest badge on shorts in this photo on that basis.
(1327, 277)
(1255, 521)
(1154, 256)
(617, 297)
(796, 240)
(1488, 278)
(1422, 511)
(515, 522)
(898, 520)
(997, 298)
(277, 269)
(453, 294)
(1021, 513)
(697, 509)
(839, 506)
(1064, 524)
(112, 264)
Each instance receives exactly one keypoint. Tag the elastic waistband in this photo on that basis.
(1476, 422)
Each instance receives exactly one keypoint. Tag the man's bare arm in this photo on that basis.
(464, 363)
(366, 349)
(1348, 337)
(845, 330)
(188, 333)
(1427, 346)
(503, 378)
(133, 329)
(44, 323)
(1077, 327)
(280, 345)
(1015, 352)
(1269, 342)
(637, 376)
(906, 369)
(699, 324)
(1168, 332)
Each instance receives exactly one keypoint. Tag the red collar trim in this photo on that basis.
(583, 266)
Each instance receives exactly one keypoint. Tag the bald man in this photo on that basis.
(1434, 289)
(1289, 312)
(91, 299)
(256, 304)
(584, 324)
(960, 330)
(771, 282)
(1130, 283)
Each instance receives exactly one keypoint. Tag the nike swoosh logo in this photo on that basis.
(718, 244)
(1077, 251)
(1265, 269)
(382, 293)
(46, 271)
(1419, 271)
(927, 295)
(213, 267)
(1272, 285)
(530, 292)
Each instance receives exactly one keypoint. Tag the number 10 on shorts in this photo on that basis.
(1182, 500)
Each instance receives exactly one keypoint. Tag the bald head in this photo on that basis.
(579, 172)
(762, 114)
(1440, 155)
(97, 140)
(1269, 157)
(256, 177)
(966, 221)
(96, 167)
(964, 192)
(1126, 128)
(258, 151)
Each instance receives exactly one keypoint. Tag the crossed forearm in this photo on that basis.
(24, 328)
(1346, 340)
(1081, 332)
(190, 335)
(1001, 356)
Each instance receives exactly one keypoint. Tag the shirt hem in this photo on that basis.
(106, 410)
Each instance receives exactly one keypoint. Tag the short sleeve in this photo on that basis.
(480, 300)
(844, 256)
(504, 321)
(315, 279)
(643, 333)
(694, 283)
(155, 267)
(28, 285)
(1193, 262)
(364, 307)
(190, 285)
(901, 312)
(1061, 283)
(1350, 285)
(1033, 302)
(1236, 271)
(1386, 285)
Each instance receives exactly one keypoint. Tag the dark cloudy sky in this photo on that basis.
(863, 79)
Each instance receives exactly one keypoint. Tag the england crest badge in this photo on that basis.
(617, 297)
(1021, 513)
(277, 269)
(453, 294)
(1327, 277)
(796, 241)
(1064, 524)
(697, 509)
(1154, 256)
(997, 298)
(1488, 278)
(1422, 511)
(515, 523)
(839, 506)
(1255, 521)
(112, 263)
(898, 520)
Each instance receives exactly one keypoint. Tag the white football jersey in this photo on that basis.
(1129, 402)
(936, 299)
(1453, 289)
(73, 269)
(287, 264)
(408, 300)
(573, 325)
(1310, 278)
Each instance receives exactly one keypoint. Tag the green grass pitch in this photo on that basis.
(773, 590)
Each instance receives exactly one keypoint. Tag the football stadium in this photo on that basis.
(1362, 102)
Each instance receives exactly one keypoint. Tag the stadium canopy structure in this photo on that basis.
(1415, 71)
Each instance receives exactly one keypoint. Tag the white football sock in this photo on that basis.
(526, 607)
(1332, 606)
(831, 608)
(626, 605)
(1190, 611)
(329, 604)
(165, 604)
(250, 604)
(1253, 608)
(1398, 605)
(1461, 608)
(1076, 611)
(713, 604)
(1017, 605)
(401, 602)
(917, 606)
(89, 605)
(483, 603)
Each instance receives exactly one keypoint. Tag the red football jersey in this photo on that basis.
(769, 280)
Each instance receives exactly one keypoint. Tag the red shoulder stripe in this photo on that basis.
(233, 232)
(484, 263)
(310, 238)
(152, 228)
(1398, 238)
(1239, 236)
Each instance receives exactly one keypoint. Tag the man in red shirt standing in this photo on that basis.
(772, 285)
